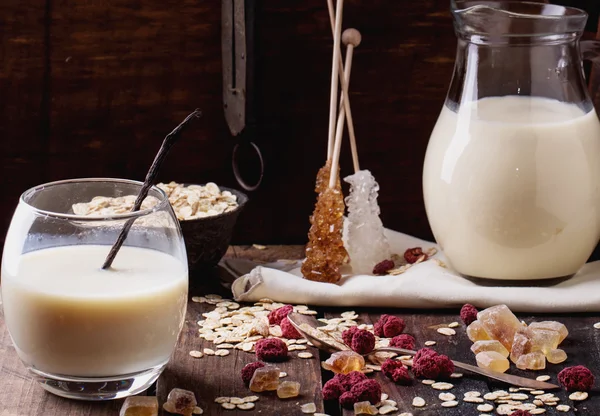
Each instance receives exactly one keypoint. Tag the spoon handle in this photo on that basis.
(507, 378)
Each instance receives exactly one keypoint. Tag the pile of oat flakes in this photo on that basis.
(188, 202)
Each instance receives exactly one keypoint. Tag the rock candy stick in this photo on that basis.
(367, 244)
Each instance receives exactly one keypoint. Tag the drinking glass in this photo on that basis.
(511, 178)
(84, 332)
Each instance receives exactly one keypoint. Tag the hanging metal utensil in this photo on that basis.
(237, 43)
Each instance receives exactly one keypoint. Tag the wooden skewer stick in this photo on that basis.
(355, 38)
(337, 35)
(351, 38)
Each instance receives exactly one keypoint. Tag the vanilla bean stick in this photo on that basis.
(167, 143)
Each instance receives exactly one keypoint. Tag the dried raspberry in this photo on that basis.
(445, 365)
(350, 379)
(395, 370)
(348, 399)
(401, 376)
(520, 413)
(333, 389)
(389, 326)
(276, 315)
(248, 371)
(362, 341)
(383, 267)
(405, 341)
(367, 390)
(424, 352)
(578, 378)
(413, 254)
(348, 334)
(426, 368)
(468, 313)
(429, 364)
(271, 349)
(288, 330)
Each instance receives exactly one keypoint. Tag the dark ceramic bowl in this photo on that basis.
(207, 239)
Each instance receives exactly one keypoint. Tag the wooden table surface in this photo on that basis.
(212, 376)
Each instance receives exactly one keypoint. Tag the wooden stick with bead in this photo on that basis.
(351, 38)
(350, 35)
(337, 34)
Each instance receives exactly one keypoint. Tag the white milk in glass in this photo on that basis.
(512, 187)
(67, 316)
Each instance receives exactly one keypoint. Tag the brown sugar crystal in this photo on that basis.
(325, 252)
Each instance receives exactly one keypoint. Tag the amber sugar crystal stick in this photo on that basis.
(325, 252)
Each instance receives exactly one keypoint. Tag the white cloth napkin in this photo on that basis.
(423, 286)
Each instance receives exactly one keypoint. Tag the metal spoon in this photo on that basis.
(307, 326)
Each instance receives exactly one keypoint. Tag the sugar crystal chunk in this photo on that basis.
(544, 340)
(522, 344)
(367, 245)
(500, 323)
(489, 345)
(140, 406)
(492, 360)
(181, 402)
(556, 356)
(552, 325)
(288, 389)
(532, 361)
(344, 362)
(265, 379)
(476, 332)
(365, 408)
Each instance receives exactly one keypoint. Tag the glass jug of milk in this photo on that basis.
(511, 178)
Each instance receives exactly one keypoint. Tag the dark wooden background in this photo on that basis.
(90, 88)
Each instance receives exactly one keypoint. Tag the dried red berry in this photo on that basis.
(288, 330)
(413, 254)
(367, 390)
(348, 334)
(429, 364)
(248, 371)
(468, 313)
(350, 379)
(405, 341)
(389, 326)
(445, 365)
(520, 413)
(395, 370)
(424, 352)
(271, 349)
(383, 267)
(363, 342)
(277, 315)
(333, 389)
(347, 400)
(578, 378)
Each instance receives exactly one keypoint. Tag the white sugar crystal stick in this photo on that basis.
(366, 245)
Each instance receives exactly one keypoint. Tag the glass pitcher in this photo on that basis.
(511, 178)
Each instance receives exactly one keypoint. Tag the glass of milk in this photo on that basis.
(87, 333)
(511, 177)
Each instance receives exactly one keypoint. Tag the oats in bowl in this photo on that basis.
(207, 215)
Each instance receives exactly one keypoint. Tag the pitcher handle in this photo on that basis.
(590, 50)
